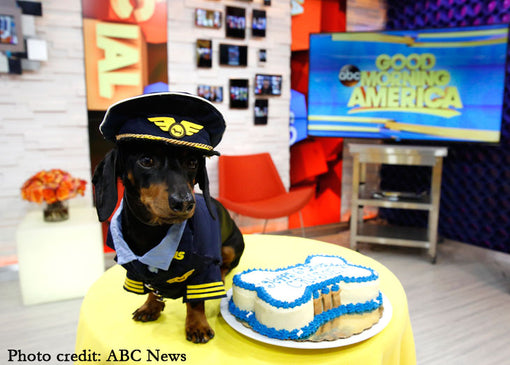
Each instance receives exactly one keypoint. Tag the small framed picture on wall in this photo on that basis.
(262, 56)
(268, 84)
(204, 53)
(235, 22)
(233, 55)
(258, 23)
(261, 111)
(211, 93)
(238, 90)
(208, 18)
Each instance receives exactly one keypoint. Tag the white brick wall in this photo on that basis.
(242, 136)
(43, 114)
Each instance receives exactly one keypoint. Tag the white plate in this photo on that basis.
(248, 332)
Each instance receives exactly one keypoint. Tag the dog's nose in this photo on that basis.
(181, 203)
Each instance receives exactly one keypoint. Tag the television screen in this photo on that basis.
(435, 84)
(211, 93)
(208, 18)
(238, 89)
(204, 53)
(268, 84)
(235, 22)
(258, 23)
(233, 55)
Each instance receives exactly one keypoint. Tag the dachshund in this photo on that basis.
(159, 202)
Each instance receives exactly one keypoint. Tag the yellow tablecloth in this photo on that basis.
(107, 332)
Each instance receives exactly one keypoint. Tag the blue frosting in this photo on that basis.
(308, 330)
(311, 291)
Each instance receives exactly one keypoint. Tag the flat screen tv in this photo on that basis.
(233, 55)
(429, 85)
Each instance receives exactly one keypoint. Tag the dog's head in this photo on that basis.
(161, 144)
(158, 180)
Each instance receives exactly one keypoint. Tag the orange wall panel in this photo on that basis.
(115, 62)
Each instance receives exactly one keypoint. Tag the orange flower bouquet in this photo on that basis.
(53, 187)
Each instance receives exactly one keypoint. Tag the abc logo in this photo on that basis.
(349, 75)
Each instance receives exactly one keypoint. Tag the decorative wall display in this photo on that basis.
(235, 22)
(22, 49)
(211, 93)
(268, 84)
(261, 111)
(233, 55)
(258, 23)
(208, 18)
(238, 90)
(11, 35)
(204, 53)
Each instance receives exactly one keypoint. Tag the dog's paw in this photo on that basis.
(149, 311)
(199, 333)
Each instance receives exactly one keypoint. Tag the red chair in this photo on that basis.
(251, 186)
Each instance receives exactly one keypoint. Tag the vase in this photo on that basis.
(56, 212)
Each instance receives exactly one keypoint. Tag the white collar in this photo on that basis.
(158, 257)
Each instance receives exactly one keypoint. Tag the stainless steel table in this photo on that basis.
(395, 235)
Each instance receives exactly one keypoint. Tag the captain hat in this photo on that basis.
(176, 118)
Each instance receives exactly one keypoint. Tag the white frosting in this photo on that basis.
(288, 285)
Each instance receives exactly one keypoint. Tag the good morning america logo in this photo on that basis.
(402, 83)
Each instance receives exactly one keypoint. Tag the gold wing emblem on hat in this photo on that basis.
(176, 129)
(191, 128)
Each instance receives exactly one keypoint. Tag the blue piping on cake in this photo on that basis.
(310, 291)
(309, 329)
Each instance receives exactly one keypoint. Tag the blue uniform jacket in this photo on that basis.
(194, 272)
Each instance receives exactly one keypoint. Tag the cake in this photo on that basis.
(324, 298)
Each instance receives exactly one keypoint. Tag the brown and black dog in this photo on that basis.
(161, 216)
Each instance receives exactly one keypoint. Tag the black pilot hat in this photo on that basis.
(176, 118)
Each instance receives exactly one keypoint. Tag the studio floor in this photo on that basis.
(459, 307)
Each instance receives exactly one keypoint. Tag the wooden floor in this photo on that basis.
(459, 307)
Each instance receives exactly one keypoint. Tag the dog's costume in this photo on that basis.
(185, 264)
(187, 261)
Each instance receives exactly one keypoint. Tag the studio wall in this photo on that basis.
(43, 118)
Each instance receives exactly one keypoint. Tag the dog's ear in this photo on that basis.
(105, 185)
(203, 184)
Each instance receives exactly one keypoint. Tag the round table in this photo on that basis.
(107, 332)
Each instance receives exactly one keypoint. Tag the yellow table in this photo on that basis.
(106, 330)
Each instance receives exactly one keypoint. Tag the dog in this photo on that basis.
(173, 243)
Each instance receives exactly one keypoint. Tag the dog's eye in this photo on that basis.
(192, 163)
(146, 161)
